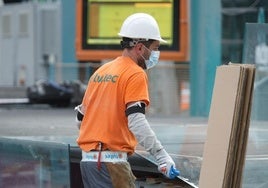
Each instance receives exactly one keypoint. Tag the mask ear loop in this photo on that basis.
(150, 51)
(145, 60)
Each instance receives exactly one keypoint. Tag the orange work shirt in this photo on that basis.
(110, 89)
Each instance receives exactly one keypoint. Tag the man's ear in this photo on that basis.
(139, 48)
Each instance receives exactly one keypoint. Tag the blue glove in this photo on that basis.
(166, 164)
(169, 170)
(174, 172)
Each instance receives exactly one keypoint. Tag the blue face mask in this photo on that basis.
(153, 59)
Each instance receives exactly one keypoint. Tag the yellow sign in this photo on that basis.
(106, 17)
(98, 23)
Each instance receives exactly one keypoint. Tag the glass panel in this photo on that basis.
(31, 164)
(256, 51)
(24, 24)
(6, 25)
(185, 144)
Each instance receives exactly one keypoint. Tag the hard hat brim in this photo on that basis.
(158, 39)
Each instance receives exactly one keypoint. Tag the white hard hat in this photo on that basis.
(140, 26)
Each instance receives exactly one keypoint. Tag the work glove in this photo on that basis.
(166, 164)
(79, 116)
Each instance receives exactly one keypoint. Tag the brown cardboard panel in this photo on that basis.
(238, 141)
(225, 147)
(236, 131)
(219, 126)
(245, 123)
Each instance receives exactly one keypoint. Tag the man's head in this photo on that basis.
(140, 32)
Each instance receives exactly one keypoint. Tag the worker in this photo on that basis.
(112, 112)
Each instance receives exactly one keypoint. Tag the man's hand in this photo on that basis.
(166, 164)
(169, 170)
(79, 116)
